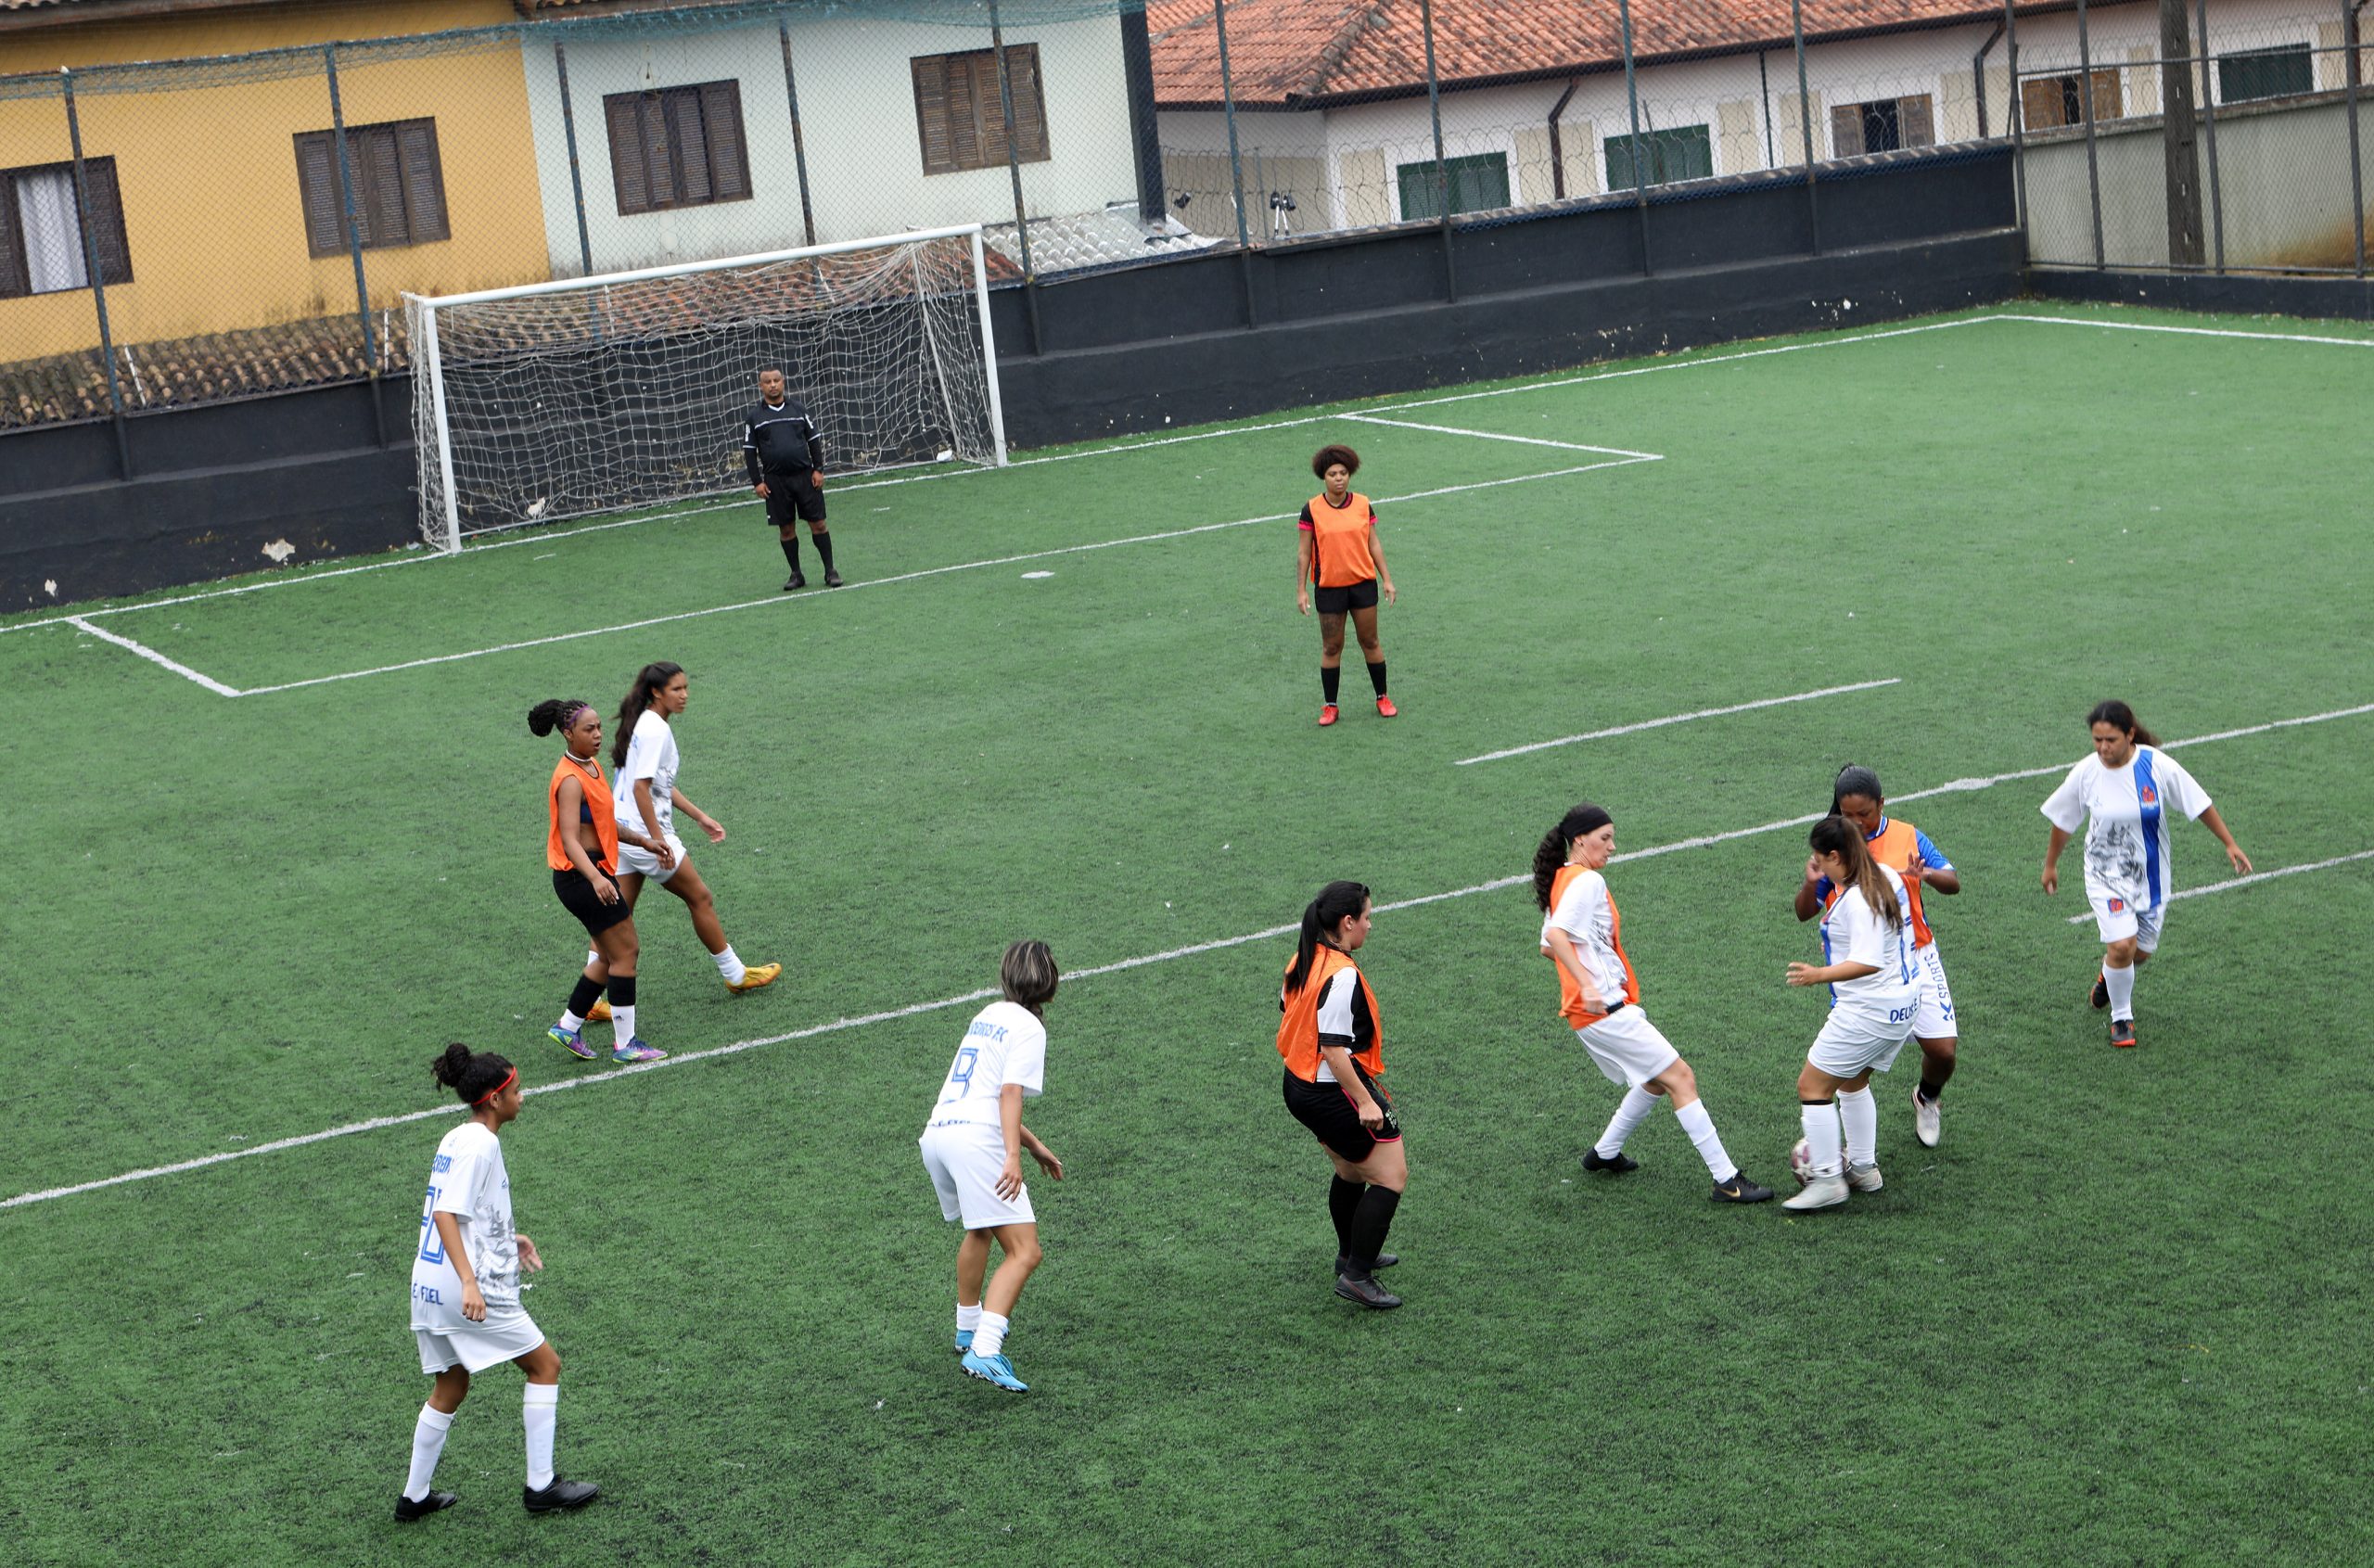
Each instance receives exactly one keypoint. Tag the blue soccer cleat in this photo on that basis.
(964, 1342)
(635, 1050)
(995, 1371)
(572, 1041)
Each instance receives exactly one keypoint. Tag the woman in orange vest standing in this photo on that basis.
(583, 849)
(1333, 1055)
(1338, 546)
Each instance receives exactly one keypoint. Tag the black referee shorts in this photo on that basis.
(1360, 596)
(1336, 1121)
(794, 496)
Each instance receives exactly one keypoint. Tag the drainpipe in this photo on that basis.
(1978, 74)
(1558, 144)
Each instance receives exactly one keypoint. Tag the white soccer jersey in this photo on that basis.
(1587, 916)
(2126, 822)
(1851, 932)
(468, 1181)
(1005, 1044)
(650, 754)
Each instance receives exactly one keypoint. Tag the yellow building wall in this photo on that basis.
(213, 207)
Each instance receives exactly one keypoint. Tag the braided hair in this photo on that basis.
(555, 713)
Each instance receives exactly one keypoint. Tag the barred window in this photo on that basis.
(41, 229)
(399, 186)
(678, 147)
(1883, 125)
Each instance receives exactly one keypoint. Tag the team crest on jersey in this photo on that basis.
(2149, 795)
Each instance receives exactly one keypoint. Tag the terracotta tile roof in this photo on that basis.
(197, 370)
(1292, 53)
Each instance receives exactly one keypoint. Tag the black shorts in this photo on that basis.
(1336, 1121)
(793, 496)
(577, 896)
(1360, 596)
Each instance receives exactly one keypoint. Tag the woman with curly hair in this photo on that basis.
(582, 850)
(1339, 548)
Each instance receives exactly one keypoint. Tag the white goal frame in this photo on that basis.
(430, 364)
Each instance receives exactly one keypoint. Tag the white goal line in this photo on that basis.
(373, 1124)
(2233, 883)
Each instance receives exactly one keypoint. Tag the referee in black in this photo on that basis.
(786, 457)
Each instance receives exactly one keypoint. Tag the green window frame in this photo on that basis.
(2280, 72)
(1685, 152)
(1478, 184)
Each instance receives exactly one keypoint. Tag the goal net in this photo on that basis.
(560, 400)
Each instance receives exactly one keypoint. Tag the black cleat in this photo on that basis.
(559, 1495)
(1366, 1292)
(1739, 1189)
(1383, 1260)
(436, 1502)
(2123, 1032)
(2102, 997)
(1617, 1167)
(796, 580)
(831, 577)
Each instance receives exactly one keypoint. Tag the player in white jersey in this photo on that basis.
(1875, 983)
(645, 800)
(465, 1310)
(972, 1147)
(2122, 794)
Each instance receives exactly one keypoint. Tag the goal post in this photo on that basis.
(623, 390)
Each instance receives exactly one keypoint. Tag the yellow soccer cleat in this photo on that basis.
(601, 1013)
(754, 976)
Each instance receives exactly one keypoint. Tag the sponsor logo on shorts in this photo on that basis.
(427, 1294)
(2118, 906)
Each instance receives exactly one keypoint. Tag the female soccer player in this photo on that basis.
(1582, 937)
(583, 849)
(972, 1147)
(644, 752)
(1874, 984)
(1338, 544)
(1334, 1054)
(2120, 793)
(1896, 844)
(465, 1310)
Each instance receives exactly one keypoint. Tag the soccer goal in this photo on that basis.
(584, 395)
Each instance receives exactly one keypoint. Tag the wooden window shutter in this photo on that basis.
(380, 176)
(1916, 121)
(651, 130)
(106, 221)
(317, 187)
(729, 164)
(630, 171)
(687, 143)
(423, 180)
(2040, 104)
(2107, 103)
(1846, 131)
(13, 278)
(967, 140)
(931, 112)
(1029, 102)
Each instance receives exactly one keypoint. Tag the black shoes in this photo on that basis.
(2102, 997)
(407, 1510)
(797, 580)
(831, 577)
(559, 1495)
(1739, 1189)
(2123, 1033)
(1617, 1166)
(1383, 1260)
(1366, 1292)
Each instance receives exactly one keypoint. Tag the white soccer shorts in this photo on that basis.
(1628, 1047)
(2116, 919)
(643, 862)
(1849, 1043)
(1933, 1017)
(507, 1335)
(965, 1160)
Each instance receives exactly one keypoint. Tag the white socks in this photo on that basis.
(540, 1411)
(967, 1317)
(729, 965)
(1859, 1109)
(570, 1021)
(1701, 1128)
(2121, 989)
(1821, 1135)
(624, 1018)
(1629, 1113)
(989, 1338)
(428, 1442)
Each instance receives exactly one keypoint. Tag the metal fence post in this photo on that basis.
(2208, 130)
(1442, 166)
(354, 239)
(799, 138)
(2352, 71)
(1014, 172)
(2093, 167)
(1235, 162)
(2019, 118)
(1805, 118)
(99, 283)
(1639, 153)
(576, 176)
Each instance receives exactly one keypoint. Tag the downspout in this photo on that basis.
(1558, 144)
(1978, 74)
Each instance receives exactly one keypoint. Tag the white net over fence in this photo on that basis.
(627, 391)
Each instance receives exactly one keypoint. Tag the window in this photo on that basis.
(2060, 100)
(41, 230)
(1883, 125)
(678, 147)
(399, 186)
(1477, 184)
(960, 118)
(2264, 73)
(1686, 152)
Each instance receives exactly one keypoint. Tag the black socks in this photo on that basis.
(622, 990)
(1343, 1201)
(581, 1000)
(791, 553)
(1932, 1093)
(1376, 676)
(1371, 1220)
(1329, 681)
(824, 542)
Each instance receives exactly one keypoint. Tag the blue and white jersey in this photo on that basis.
(1853, 932)
(2128, 812)
(1004, 1044)
(467, 1181)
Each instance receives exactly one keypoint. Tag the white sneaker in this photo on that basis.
(1925, 1119)
(1822, 1192)
(1864, 1178)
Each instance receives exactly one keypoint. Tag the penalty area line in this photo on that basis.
(2233, 883)
(1678, 719)
(153, 656)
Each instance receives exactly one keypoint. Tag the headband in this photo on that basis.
(508, 1080)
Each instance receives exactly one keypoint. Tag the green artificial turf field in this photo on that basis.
(2116, 1317)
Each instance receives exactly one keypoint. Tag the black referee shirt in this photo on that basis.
(780, 439)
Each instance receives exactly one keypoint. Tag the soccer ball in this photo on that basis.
(1801, 1161)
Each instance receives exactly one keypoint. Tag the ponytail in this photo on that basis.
(553, 713)
(1550, 853)
(1836, 836)
(1337, 902)
(651, 680)
(2118, 716)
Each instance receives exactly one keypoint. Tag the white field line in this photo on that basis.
(2245, 881)
(1499, 436)
(1497, 884)
(153, 656)
(1678, 718)
(779, 599)
(2190, 331)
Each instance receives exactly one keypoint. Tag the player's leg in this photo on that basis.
(811, 506)
(972, 1270)
(1676, 1081)
(786, 521)
(686, 883)
(621, 947)
(1859, 1120)
(1331, 660)
(540, 1412)
(2115, 922)
(1932, 1027)
(1018, 1240)
(1364, 628)
(1385, 1172)
(1818, 1113)
(445, 1395)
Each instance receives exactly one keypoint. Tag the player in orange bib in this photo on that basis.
(1339, 549)
(582, 848)
(1334, 1053)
